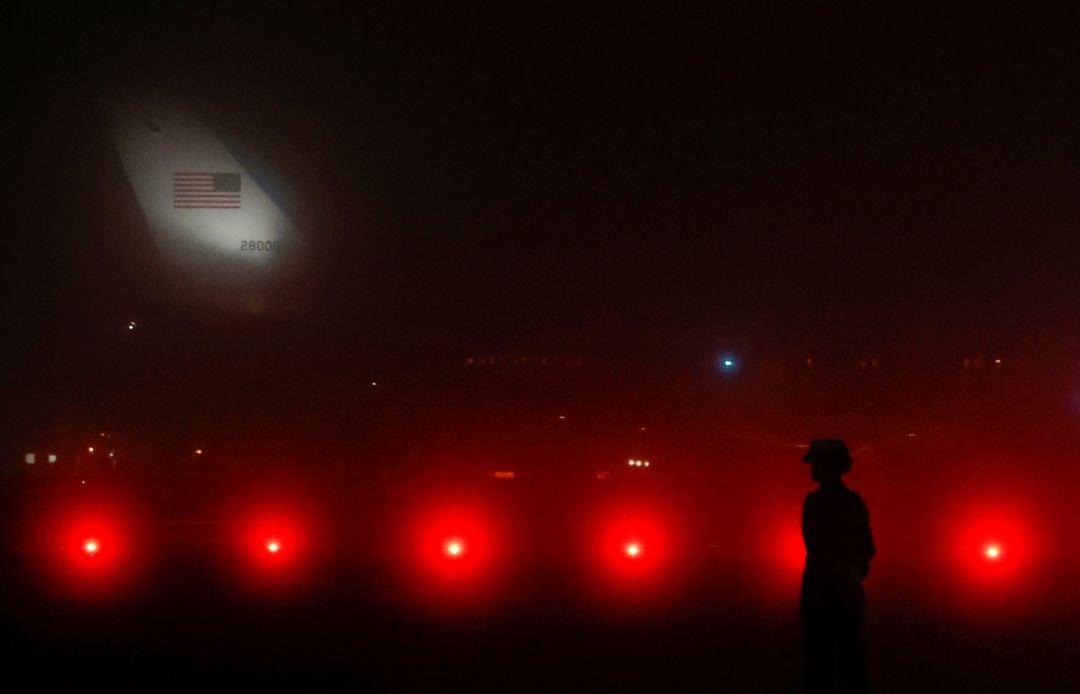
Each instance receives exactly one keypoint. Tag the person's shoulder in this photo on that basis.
(855, 497)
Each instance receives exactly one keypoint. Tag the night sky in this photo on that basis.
(579, 182)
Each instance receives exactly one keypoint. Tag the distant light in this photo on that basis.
(273, 546)
(997, 362)
(82, 481)
(992, 552)
(504, 474)
(647, 463)
(131, 325)
(91, 547)
(454, 548)
(89, 449)
(103, 435)
(562, 417)
(30, 458)
(198, 451)
(373, 384)
(601, 475)
(112, 454)
(726, 364)
(911, 436)
(51, 458)
(631, 462)
(633, 549)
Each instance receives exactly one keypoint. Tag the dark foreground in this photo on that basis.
(198, 631)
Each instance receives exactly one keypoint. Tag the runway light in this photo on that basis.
(273, 546)
(454, 548)
(91, 547)
(992, 552)
(89, 449)
(633, 549)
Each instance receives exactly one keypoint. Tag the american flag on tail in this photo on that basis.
(206, 191)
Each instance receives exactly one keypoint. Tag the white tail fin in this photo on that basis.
(215, 228)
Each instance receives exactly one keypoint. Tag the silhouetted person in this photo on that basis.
(839, 546)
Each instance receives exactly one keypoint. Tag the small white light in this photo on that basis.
(633, 549)
(30, 458)
(454, 548)
(273, 546)
(131, 325)
(91, 547)
(51, 458)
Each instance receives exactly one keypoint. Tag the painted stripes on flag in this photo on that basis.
(206, 191)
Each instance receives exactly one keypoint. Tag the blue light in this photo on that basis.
(726, 364)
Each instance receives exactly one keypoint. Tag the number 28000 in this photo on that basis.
(260, 245)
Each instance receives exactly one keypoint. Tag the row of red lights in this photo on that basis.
(460, 546)
(456, 548)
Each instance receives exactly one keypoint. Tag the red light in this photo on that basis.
(454, 548)
(993, 550)
(275, 547)
(456, 555)
(91, 547)
(634, 548)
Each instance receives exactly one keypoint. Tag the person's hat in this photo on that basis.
(827, 449)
